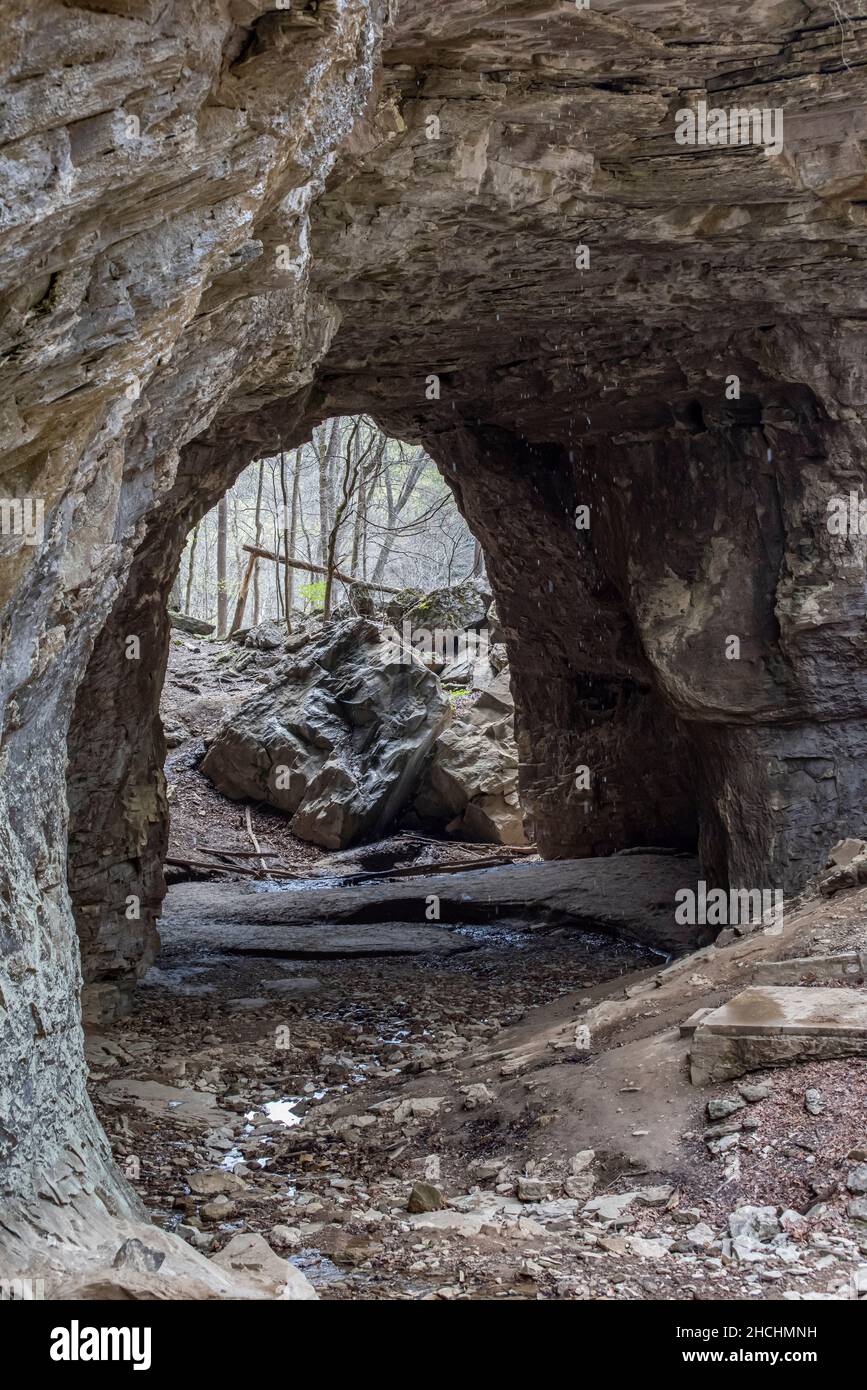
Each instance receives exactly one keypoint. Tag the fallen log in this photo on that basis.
(248, 821)
(200, 866)
(413, 870)
(239, 853)
(241, 603)
(316, 569)
(411, 836)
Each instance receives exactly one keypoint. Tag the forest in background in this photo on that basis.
(353, 502)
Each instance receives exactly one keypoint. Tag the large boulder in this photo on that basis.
(475, 668)
(452, 609)
(182, 622)
(266, 636)
(471, 784)
(399, 604)
(249, 1257)
(338, 740)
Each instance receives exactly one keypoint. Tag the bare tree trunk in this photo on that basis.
(258, 541)
(348, 484)
(222, 540)
(302, 525)
(478, 560)
(189, 595)
(366, 486)
(236, 538)
(206, 611)
(278, 581)
(238, 619)
(287, 586)
(334, 465)
(293, 530)
(394, 510)
(327, 455)
(358, 531)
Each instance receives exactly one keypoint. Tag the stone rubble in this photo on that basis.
(335, 1197)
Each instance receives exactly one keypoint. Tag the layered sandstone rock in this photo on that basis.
(224, 222)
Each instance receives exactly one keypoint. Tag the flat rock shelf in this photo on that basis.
(632, 895)
(769, 1026)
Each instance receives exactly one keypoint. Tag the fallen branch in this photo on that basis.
(257, 847)
(316, 569)
(239, 853)
(411, 835)
(413, 870)
(199, 865)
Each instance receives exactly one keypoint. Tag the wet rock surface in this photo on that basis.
(629, 895)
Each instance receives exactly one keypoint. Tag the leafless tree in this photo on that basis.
(258, 541)
(355, 501)
(396, 507)
(287, 554)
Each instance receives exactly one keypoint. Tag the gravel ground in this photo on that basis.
(368, 1059)
(367, 1063)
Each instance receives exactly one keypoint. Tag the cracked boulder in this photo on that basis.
(338, 740)
(471, 785)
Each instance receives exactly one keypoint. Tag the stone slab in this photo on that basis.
(782, 1011)
(627, 895)
(767, 1026)
(314, 942)
(852, 966)
(183, 1103)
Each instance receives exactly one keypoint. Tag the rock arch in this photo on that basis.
(228, 222)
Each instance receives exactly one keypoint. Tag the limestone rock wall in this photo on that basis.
(153, 160)
(223, 221)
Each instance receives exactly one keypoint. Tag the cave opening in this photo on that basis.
(557, 702)
(394, 942)
(639, 365)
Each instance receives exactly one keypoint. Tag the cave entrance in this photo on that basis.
(397, 912)
(379, 550)
(369, 528)
(352, 525)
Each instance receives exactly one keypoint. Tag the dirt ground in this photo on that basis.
(386, 1073)
(513, 1121)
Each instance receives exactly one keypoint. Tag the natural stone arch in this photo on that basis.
(617, 641)
(154, 323)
